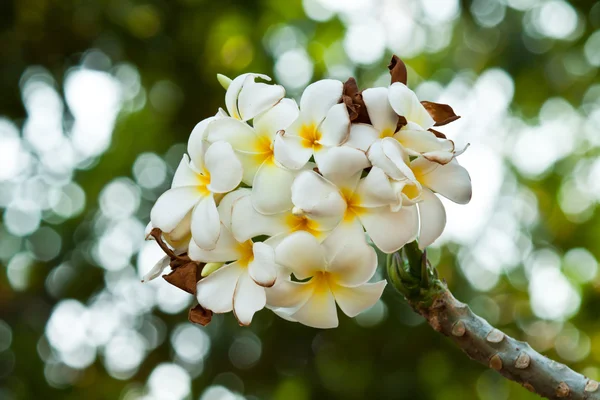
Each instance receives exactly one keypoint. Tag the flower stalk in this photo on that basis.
(412, 275)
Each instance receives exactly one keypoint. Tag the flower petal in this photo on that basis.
(292, 151)
(336, 126)
(426, 143)
(280, 117)
(206, 225)
(355, 300)
(405, 103)
(172, 206)
(257, 97)
(390, 230)
(381, 160)
(362, 136)
(301, 253)
(226, 205)
(238, 134)
(226, 249)
(451, 180)
(197, 141)
(185, 175)
(354, 264)
(251, 162)
(248, 299)
(382, 115)
(224, 167)
(318, 98)
(340, 164)
(319, 199)
(263, 269)
(157, 270)
(375, 190)
(432, 218)
(216, 291)
(232, 94)
(319, 311)
(248, 223)
(287, 294)
(271, 191)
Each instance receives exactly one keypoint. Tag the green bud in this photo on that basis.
(211, 267)
(224, 81)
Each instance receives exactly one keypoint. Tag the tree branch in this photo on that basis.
(513, 359)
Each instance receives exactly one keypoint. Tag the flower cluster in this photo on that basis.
(273, 200)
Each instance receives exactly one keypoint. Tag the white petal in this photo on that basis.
(226, 205)
(354, 264)
(336, 126)
(248, 223)
(405, 103)
(301, 253)
(271, 191)
(257, 97)
(375, 190)
(390, 230)
(185, 175)
(197, 142)
(205, 223)
(280, 117)
(248, 299)
(426, 143)
(224, 167)
(339, 164)
(232, 94)
(397, 155)
(319, 199)
(251, 162)
(238, 134)
(382, 115)
(432, 218)
(451, 180)
(319, 311)
(355, 300)
(216, 291)
(226, 249)
(172, 206)
(157, 270)
(287, 294)
(380, 160)
(318, 98)
(263, 269)
(362, 136)
(179, 237)
(292, 151)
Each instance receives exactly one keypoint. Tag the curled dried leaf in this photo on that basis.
(442, 114)
(185, 276)
(354, 102)
(398, 70)
(200, 315)
(437, 133)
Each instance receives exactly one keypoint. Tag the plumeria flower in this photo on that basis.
(245, 98)
(322, 124)
(386, 107)
(271, 183)
(317, 212)
(416, 181)
(370, 202)
(337, 272)
(239, 284)
(197, 185)
(178, 239)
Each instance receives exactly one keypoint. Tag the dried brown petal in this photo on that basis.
(442, 114)
(200, 315)
(437, 133)
(354, 102)
(185, 277)
(398, 70)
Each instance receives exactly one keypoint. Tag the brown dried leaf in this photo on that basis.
(398, 70)
(437, 133)
(352, 97)
(442, 114)
(185, 277)
(200, 315)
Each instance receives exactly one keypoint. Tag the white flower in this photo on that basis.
(384, 106)
(178, 239)
(370, 201)
(245, 98)
(322, 124)
(195, 186)
(338, 273)
(416, 181)
(254, 147)
(238, 285)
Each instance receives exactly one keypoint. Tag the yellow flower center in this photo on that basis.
(321, 282)
(246, 253)
(411, 191)
(311, 135)
(203, 182)
(302, 223)
(387, 132)
(353, 208)
(264, 149)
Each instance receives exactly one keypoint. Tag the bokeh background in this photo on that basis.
(97, 98)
